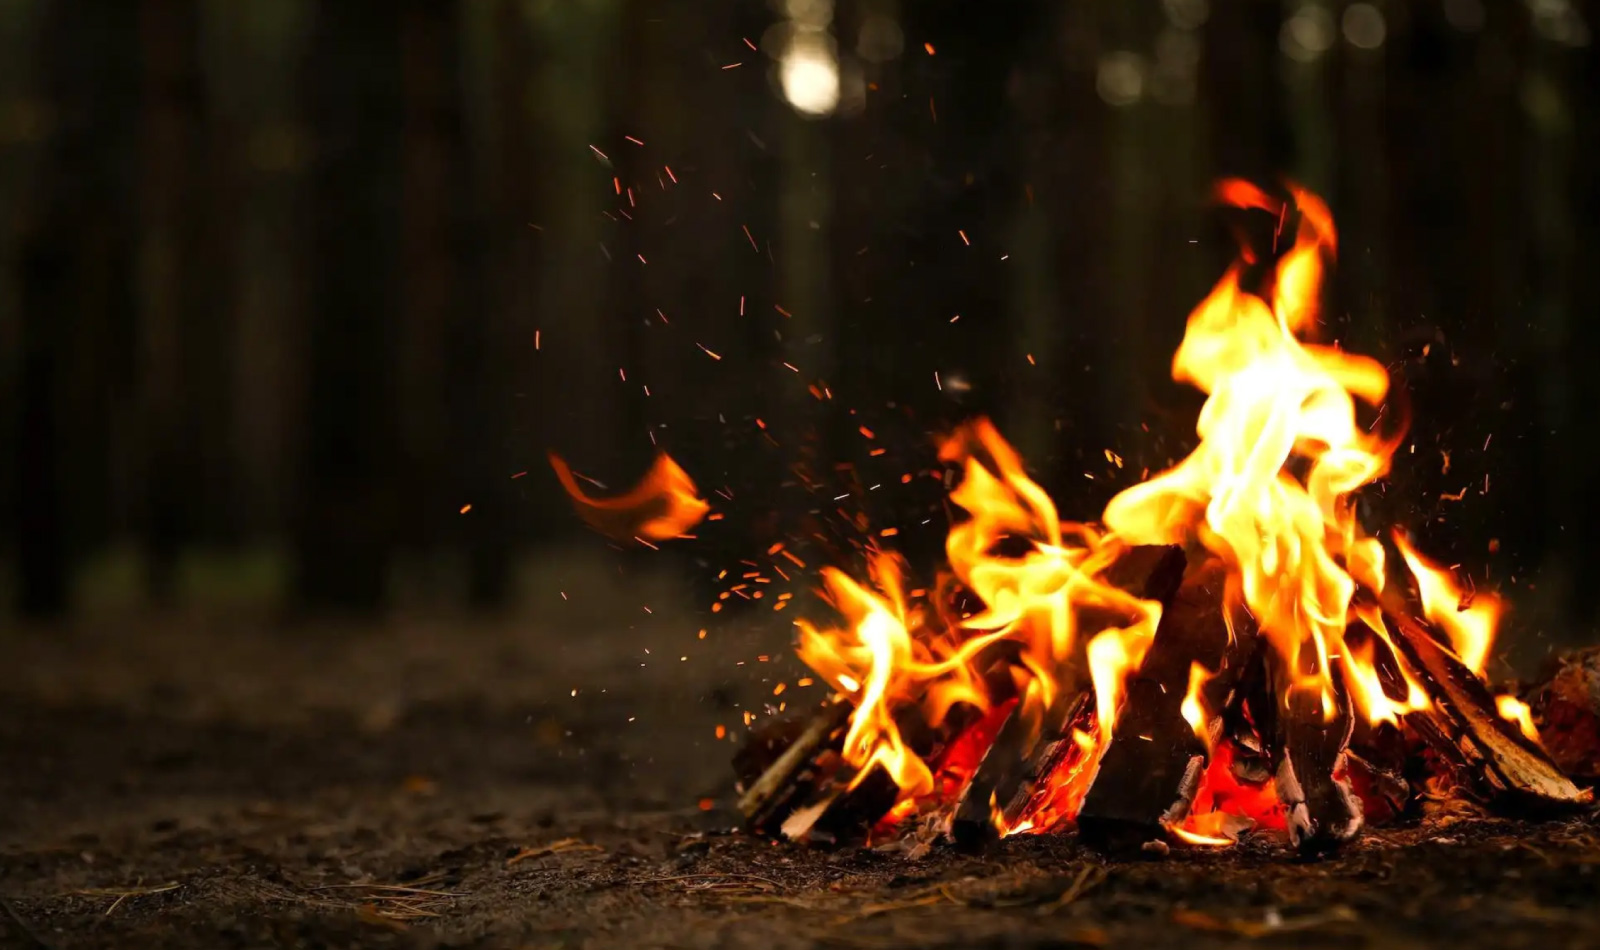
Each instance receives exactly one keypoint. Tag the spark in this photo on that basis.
(465, 508)
(633, 140)
(709, 353)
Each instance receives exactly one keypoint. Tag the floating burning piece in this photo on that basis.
(1223, 650)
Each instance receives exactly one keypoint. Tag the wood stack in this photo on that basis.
(1327, 771)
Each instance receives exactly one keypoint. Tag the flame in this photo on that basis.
(1275, 406)
(888, 655)
(1359, 662)
(1199, 839)
(663, 505)
(1516, 711)
(1468, 619)
(1288, 436)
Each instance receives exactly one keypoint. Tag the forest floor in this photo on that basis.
(439, 785)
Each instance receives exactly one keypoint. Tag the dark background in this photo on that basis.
(286, 284)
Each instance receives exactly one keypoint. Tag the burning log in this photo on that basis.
(1463, 726)
(1011, 770)
(848, 808)
(809, 794)
(1309, 747)
(779, 769)
(1152, 768)
(1031, 743)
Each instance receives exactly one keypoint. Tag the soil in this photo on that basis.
(437, 784)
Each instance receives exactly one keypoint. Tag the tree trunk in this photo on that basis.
(74, 290)
(347, 507)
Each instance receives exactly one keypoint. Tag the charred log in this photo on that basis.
(851, 804)
(1463, 726)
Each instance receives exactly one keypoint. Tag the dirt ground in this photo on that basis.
(437, 784)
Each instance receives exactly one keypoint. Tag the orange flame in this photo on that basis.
(663, 505)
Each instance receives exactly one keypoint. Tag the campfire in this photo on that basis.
(1228, 649)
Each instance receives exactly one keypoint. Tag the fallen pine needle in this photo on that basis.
(123, 893)
(692, 877)
(1088, 879)
(554, 847)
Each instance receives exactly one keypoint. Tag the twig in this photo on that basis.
(22, 925)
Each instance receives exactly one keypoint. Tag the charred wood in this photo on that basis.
(1031, 741)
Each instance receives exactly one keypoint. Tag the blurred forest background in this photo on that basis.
(287, 285)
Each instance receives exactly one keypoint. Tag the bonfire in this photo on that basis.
(1226, 650)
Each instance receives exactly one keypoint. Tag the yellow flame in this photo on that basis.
(1469, 622)
(1193, 710)
(1516, 711)
(1199, 840)
(1275, 405)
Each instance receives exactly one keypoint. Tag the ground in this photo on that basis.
(434, 783)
